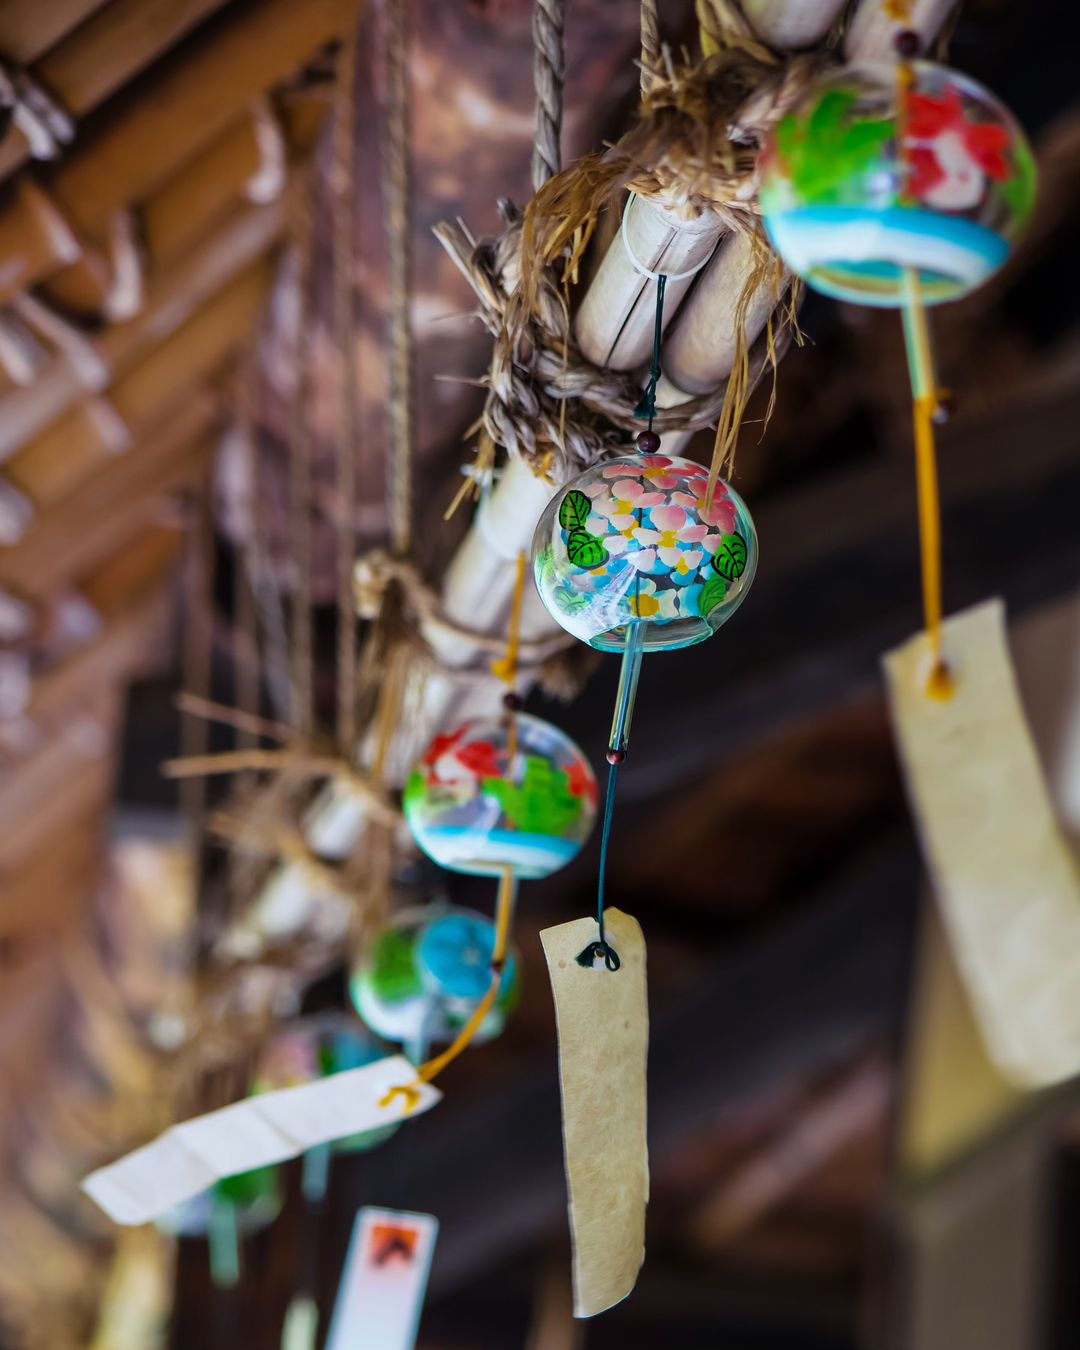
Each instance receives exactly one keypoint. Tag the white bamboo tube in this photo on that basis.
(873, 31)
(699, 353)
(792, 24)
(476, 594)
(614, 324)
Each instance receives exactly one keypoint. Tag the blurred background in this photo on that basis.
(835, 1163)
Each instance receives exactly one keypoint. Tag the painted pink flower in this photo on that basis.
(668, 517)
(628, 496)
(720, 512)
(641, 466)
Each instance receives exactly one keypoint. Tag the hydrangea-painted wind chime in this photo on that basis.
(642, 553)
(900, 186)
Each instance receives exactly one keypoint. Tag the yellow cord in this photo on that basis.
(925, 404)
(433, 1067)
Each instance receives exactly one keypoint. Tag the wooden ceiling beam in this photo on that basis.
(99, 56)
(83, 441)
(28, 31)
(175, 110)
(173, 296)
(115, 503)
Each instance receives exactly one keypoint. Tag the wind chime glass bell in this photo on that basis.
(882, 173)
(514, 793)
(634, 545)
(427, 973)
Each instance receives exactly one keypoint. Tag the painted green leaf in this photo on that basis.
(585, 550)
(729, 559)
(825, 121)
(574, 510)
(542, 803)
(712, 594)
(394, 977)
(1018, 190)
(571, 602)
(827, 153)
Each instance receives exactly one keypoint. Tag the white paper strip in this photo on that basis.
(381, 1295)
(1004, 875)
(254, 1133)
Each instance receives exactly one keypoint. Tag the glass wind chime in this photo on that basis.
(901, 187)
(510, 797)
(642, 553)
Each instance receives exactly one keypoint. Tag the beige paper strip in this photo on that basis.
(603, 1023)
(1003, 872)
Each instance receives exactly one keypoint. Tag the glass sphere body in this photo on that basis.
(515, 792)
(870, 185)
(425, 975)
(634, 541)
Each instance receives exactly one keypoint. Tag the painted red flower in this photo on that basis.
(581, 783)
(481, 758)
(442, 745)
(949, 156)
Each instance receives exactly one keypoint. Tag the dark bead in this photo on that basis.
(512, 701)
(908, 44)
(616, 756)
(648, 442)
(945, 409)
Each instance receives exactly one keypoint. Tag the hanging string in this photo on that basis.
(650, 43)
(926, 403)
(619, 740)
(396, 192)
(601, 948)
(647, 407)
(549, 72)
(344, 224)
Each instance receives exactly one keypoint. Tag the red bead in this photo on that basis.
(648, 442)
(616, 756)
(512, 701)
(908, 44)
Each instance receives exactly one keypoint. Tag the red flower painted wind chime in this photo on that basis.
(901, 187)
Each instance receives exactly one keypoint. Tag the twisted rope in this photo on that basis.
(344, 324)
(396, 191)
(650, 43)
(549, 72)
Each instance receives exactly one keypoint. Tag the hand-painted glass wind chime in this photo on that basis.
(641, 553)
(509, 797)
(901, 187)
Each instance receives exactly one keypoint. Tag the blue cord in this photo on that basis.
(601, 948)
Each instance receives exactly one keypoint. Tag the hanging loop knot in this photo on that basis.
(409, 1091)
(599, 948)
